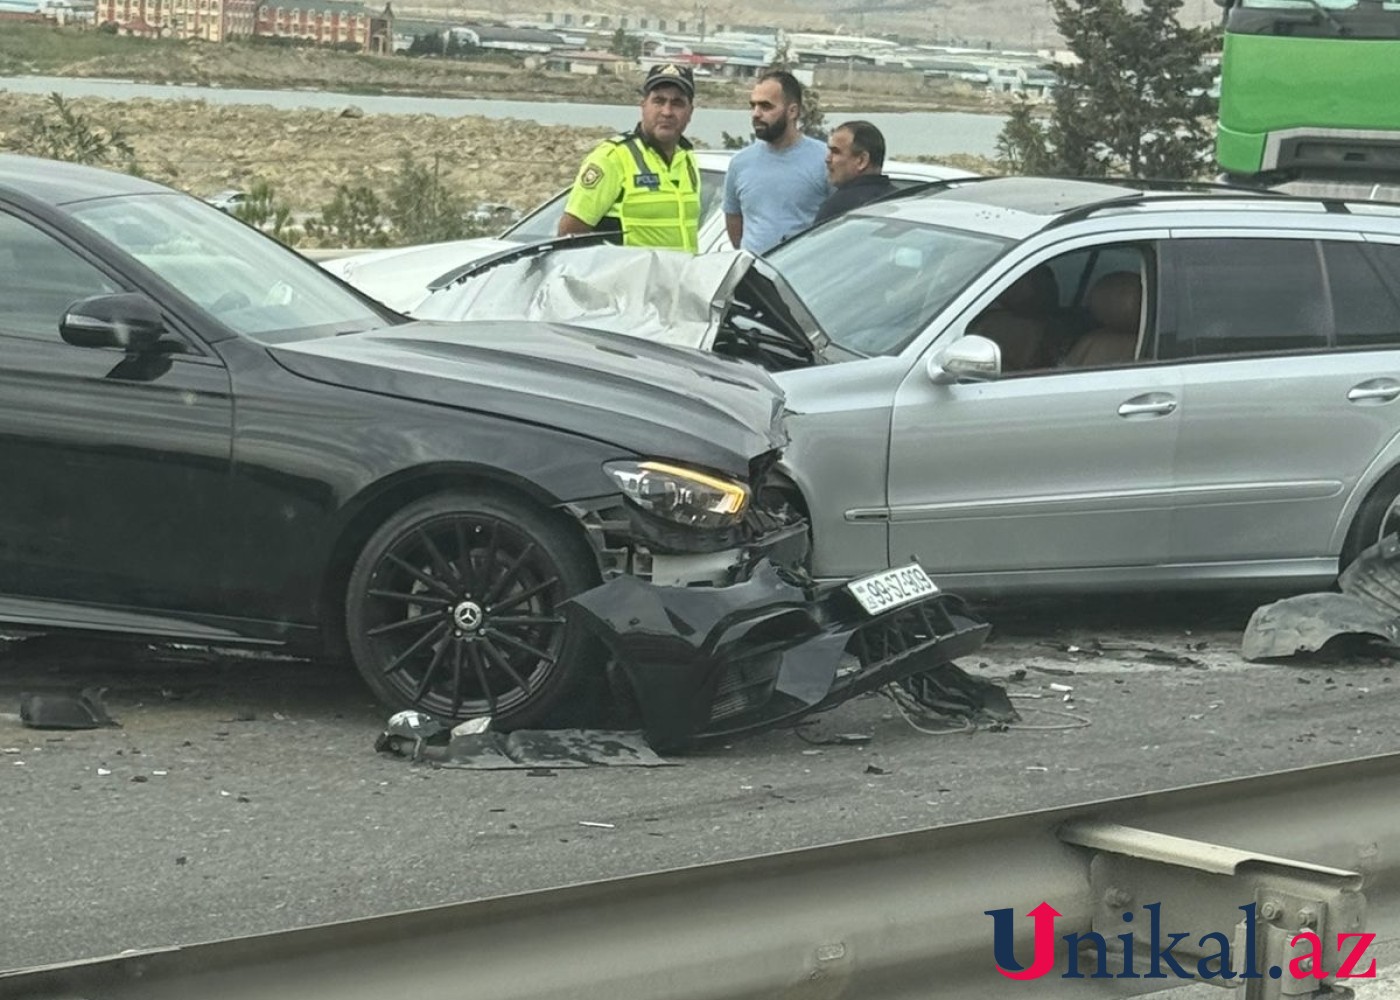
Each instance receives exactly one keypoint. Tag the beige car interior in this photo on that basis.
(1019, 320)
(1115, 302)
(1029, 326)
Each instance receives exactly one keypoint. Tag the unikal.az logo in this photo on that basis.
(1215, 961)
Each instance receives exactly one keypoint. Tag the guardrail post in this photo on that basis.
(1279, 929)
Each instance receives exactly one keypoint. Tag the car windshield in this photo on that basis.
(251, 283)
(543, 223)
(905, 272)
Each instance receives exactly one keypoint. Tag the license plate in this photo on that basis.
(893, 588)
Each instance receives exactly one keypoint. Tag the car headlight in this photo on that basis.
(683, 495)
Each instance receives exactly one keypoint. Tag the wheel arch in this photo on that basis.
(377, 502)
(1382, 468)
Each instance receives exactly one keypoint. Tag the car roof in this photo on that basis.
(56, 182)
(1017, 207)
(718, 159)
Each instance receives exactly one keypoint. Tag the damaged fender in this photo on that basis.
(1369, 605)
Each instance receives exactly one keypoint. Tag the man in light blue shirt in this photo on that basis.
(774, 187)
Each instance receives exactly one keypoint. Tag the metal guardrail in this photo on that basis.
(900, 916)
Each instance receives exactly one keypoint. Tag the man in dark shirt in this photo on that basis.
(855, 155)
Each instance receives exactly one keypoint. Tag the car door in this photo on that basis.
(113, 467)
(1286, 345)
(1043, 475)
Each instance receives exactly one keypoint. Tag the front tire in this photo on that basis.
(1377, 517)
(454, 608)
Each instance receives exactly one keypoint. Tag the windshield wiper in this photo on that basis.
(1329, 17)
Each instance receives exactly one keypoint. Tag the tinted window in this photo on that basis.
(1240, 296)
(39, 279)
(1365, 310)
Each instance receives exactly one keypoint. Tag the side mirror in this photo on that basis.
(127, 320)
(971, 359)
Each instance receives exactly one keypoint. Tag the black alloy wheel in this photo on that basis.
(455, 608)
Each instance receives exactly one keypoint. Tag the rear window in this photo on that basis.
(1265, 296)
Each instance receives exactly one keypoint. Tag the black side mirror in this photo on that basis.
(127, 320)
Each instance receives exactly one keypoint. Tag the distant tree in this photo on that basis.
(421, 209)
(1137, 103)
(61, 133)
(813, 120)
(353, 218)
(430, 44)
(263, 209)
(623, 44)
(1023, 147)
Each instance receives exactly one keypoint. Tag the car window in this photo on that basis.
(872, 283)
(39, 279)
(250, 283)
(543, 222)
(1365, 308)
(1082, 309)
(1243, 296)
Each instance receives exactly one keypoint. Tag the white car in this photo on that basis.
(399, 277)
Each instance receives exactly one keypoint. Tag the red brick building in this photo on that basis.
(209, 20)
(326, 22)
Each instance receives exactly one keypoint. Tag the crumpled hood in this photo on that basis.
(660, 295)
(399, 276)
(650, 399)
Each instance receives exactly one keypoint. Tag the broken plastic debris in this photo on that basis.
(541, 750)
(1037, 767)
(408, 732)
(472, 727)
(103, 771)
(10, 750)
(1061, 687)
(600, 826)
(84, 710)
(160, 774)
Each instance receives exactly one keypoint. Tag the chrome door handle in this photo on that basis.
(1381, 390)
(1157, 408)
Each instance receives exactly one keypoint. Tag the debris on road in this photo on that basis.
(473, 745)
(707, 663)
(1368, 607)
(84, 710)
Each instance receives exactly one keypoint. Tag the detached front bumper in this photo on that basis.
(715, 661)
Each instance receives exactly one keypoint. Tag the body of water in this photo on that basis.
(907, 133)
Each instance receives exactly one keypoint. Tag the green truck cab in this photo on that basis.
(1310, 94)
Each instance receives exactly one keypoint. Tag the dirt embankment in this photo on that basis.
(305, 154)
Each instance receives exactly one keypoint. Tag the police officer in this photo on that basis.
(644, 183)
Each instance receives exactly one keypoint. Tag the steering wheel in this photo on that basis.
(230, 301)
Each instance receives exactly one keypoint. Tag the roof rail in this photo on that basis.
(1082, 212)
(1176, 184)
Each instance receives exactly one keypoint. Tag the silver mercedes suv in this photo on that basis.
(1049, 384)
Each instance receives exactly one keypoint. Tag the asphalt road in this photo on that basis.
(243, 796)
